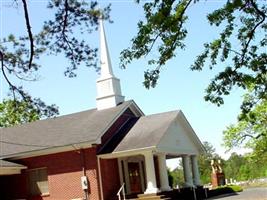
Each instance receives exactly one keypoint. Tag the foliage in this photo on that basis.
(233, 167)
(204, 162)
(238, 54)
(235, 188)
(170, 178)
(250, 131)
(242, 168)
(236, 167)
(17, 112)
(225, 190)
(177, 176)
(19, 54)
(239, 50)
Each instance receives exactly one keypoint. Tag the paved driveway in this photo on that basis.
(247, 194)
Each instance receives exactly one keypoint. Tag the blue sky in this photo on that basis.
(178, 88)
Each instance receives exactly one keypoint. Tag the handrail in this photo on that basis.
(123, 192)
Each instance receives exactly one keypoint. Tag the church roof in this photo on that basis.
(87, 126)
(147, 132)
(168, 131)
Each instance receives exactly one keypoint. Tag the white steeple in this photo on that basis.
(108, 86)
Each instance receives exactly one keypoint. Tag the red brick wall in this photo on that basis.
(65, 171)
(110, 178)
(64, 175)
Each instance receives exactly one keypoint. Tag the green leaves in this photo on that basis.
(164, 28)
(17, 112)
(151, 78)
(239, 52)
(250, 131)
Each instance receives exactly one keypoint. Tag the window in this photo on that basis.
(38, 181)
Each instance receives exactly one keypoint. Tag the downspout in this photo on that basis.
(100, 177)
(84, 171)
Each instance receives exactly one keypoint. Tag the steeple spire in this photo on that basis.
(106, 67)
(108, 86)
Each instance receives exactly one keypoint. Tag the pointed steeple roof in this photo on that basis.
(106, 67)
(108, 86)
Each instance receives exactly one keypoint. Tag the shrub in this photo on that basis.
(225, 190)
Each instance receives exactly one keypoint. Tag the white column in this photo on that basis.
(196, 177)
(187, 171)
(150, 174)
(163, 175)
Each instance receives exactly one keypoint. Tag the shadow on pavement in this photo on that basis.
(223, 195)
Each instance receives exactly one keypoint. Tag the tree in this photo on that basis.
(233, 166)
(243, 22)
(250, 132)
(239, 50)
(13, 112)
(177, 176)
(244, 167)
(204, 161)
(19, 54)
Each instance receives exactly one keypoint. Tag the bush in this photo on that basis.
(235, 188)
(225, 190)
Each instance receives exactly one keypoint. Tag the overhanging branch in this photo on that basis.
(28, 26)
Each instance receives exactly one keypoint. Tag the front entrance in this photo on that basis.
(134, 177)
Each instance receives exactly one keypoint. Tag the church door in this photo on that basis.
(134, 177)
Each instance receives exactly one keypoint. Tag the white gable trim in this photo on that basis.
(180, 138)
(193, 134)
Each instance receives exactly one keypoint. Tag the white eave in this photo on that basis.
(9, 168)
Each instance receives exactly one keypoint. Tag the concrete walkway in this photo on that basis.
(247, 194)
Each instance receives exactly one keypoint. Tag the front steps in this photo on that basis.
(152, 197)
(182, 194)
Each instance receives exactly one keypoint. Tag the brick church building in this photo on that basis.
(91, 154)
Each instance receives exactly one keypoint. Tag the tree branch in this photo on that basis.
(252, 32)
(26, 16)
(65, 20)
(257, 9)
(13, 87)
(181, 23)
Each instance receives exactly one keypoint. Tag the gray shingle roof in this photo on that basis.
(4, 163)
(86, 126)
(147, 132)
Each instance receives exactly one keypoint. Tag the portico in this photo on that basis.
(147, 172)
(142, 153)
